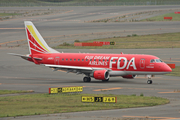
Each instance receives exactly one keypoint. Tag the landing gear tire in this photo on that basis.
(87, 79)
(106, 80)
(149, 82)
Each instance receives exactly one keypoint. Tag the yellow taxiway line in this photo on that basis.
(11, 28)
(170, 61)
(159, 118)
(107, 89)
(170, 92)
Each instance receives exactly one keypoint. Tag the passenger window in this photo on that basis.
(66, 59)
(74, 59)
(90, 59)
(107, 60)
(94, 59)
(82, 59)
(99, 59)
(78, 59)
(62, 59)
(70, 59)
(86, 59)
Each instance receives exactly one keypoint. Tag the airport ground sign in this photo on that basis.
(91, 99)
(66, 89)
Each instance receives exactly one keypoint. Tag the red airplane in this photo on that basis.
(98, 66)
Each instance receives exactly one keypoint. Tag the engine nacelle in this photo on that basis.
(129, 76)
(101, 74)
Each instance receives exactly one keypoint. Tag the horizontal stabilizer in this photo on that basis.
(19, 55)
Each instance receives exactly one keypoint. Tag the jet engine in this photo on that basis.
(101, 74)
(129, 76)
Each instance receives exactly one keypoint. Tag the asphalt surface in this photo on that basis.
(18, 74)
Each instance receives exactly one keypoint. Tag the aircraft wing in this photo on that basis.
(74, 69)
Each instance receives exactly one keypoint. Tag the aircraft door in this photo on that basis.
(142, 63)
(56, 61)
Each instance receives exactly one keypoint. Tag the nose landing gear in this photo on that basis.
(149, 82)
(149, 79)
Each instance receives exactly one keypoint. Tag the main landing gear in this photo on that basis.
(149, 79)
(87, 79)
(106, 80)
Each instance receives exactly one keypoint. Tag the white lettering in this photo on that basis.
(97, 57)
(50, 58)
(112, 62)
(89, 57)
(103, 63)
(133, 64)
(119, 62)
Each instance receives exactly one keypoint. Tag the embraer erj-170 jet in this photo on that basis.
(98, 66)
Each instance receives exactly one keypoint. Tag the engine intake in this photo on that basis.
(101, 74)
(129, 76)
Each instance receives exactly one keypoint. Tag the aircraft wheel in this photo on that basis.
(105, 80)
(87, 79)
(149, 81)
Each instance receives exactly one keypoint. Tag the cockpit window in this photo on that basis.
(152, 61)
(158, 60)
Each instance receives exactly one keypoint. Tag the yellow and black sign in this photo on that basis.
(66, 89)
(87, 99)
(99, 99)
(112, 43)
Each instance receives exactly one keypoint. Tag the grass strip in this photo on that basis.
(175, 17)
(8, 14)
(175, 72)
(2, 92)
(37, 104)
(167, 40)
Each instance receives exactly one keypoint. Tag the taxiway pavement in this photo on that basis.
(18, 74)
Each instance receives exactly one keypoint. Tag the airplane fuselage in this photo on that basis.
(125, 63)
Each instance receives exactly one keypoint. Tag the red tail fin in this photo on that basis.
(36, 43)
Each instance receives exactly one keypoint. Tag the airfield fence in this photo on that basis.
(4, 4)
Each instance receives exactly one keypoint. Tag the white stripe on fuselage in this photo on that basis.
(122, 73)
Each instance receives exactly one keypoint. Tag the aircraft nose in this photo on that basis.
(167, 68)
